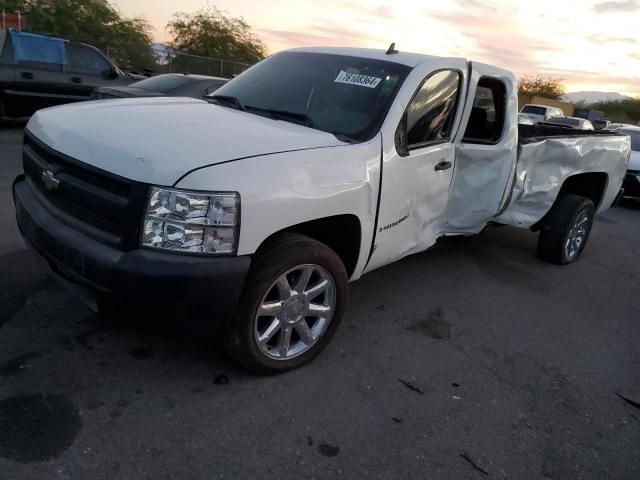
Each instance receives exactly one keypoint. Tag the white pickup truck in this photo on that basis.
(253, 211)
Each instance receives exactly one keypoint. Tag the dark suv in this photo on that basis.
(38, 71)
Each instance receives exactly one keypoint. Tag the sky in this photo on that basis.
(589, 44)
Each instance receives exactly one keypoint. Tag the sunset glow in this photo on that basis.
(590, 45)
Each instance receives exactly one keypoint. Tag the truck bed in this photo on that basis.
(548, 156)
(536, 133)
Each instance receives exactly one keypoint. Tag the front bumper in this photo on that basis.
(631, 184)
(204, 289)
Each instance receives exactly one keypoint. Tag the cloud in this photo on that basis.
(603, 39)
(497, 40)
(321, 34)
(617, 6)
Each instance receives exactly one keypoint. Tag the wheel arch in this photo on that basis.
(341, 233)
(592, 185)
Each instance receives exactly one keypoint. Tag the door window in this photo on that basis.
(431, 111)
(486, 121)
(87, 60)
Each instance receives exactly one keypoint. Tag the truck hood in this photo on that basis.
(158, 140)
(634, 161)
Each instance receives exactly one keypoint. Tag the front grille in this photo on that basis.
(90, 217)
(98, 203)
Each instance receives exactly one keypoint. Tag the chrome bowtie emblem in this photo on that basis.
(50, 182)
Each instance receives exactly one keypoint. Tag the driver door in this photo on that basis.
(417, 175)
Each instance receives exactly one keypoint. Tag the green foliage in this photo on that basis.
(212, 33)
(95, 22)
(541, 87)
(623, 111)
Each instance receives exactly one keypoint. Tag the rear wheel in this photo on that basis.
(566, 229)
(291, 306)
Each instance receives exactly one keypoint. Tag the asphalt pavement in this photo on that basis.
(473, 360)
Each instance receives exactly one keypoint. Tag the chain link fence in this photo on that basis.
(168, 60)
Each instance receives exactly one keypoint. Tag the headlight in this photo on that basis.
(191, 221)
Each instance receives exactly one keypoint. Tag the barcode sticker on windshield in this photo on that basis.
(361, 80)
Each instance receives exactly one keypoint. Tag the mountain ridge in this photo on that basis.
(589, 97)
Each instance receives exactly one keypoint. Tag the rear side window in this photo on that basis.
(486, 121)
(430, 114)
(37, 51)
(87, 60)
(534, 110)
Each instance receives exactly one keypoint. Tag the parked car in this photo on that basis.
(631, 183)
(541, 113)
(38, 71)
(524, 120)
(251, 215)
(167, 85)
(569, 122)
(589, 114)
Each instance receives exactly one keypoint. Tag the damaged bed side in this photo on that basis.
(554, 161)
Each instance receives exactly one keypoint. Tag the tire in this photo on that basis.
(288, 304)
(565, 229)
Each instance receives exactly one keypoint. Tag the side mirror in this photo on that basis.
(401, 137)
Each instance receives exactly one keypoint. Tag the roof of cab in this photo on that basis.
(404, 58)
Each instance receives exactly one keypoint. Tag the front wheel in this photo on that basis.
(292, 304)
(566, 229)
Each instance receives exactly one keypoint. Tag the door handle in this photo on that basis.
(443, 165)
(28, 75)
(76, 79)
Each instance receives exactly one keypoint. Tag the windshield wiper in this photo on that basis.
(295, 117)
(226, 101)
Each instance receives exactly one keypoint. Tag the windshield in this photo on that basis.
(163, 83)
(346, 96)
(534, 110)
(635, 139)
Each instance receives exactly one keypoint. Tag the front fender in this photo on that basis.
(280, 190)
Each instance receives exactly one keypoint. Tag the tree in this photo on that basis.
(540, 86)
(212, 33)
(95, 22)
(624, 111)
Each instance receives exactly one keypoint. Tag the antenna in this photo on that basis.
(392, 49)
